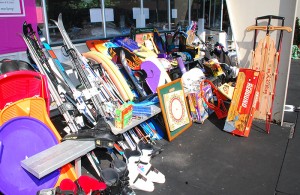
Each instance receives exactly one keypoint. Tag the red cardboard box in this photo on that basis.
(244, 102)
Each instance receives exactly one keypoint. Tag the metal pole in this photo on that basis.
(189, 11)
(221, 18)
(169, 14)
(156, 9)
(209, 13)
(103, 18)
(214, 17)
(142, 7)
(46, 26)
(203, 11)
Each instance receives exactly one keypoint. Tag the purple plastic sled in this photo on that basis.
(20, 138)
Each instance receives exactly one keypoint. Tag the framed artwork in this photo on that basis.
(174, 108)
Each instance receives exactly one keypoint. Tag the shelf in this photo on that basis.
(135, 121)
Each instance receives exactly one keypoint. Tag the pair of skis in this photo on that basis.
(88, 77)
(57, 76)
(265, 58)
(134, 136)
(44, 67)
(78, 100)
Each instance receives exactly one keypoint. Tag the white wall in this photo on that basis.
(242, 14)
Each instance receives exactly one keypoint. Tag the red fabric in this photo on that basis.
(89, 184)
(68, 185)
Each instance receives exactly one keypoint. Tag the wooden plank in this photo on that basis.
(265, 59)
(47, 161)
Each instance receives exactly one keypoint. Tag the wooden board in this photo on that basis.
(265, 60)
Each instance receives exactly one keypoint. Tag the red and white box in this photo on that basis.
(244, 102)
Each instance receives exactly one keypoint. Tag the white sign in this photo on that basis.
(96, 14)
(136, 11)
(11, 8)
(174, 13)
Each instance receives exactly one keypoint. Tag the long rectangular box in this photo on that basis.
(244, 102)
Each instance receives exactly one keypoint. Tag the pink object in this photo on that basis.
(39, 15)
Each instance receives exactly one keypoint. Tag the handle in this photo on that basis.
(27, 28)
(270, 28)
(270, 17)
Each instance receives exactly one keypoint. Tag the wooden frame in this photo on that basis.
(174, 108)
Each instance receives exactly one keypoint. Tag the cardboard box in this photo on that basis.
(244, 102)
(198, 108)
(226, 90)
(123, 116)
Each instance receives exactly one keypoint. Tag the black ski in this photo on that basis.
(88, 77)
(79, 103)
(40, 59)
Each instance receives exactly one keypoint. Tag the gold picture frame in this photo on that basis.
(174, 108)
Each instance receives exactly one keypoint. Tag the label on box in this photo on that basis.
(123, 116)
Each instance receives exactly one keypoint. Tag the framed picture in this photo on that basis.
(174, 108)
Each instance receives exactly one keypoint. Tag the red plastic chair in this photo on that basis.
(23, 84)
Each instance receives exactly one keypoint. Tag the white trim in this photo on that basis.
(22, 10)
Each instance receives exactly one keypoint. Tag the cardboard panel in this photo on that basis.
(244, 102)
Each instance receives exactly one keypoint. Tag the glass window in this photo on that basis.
(181, 18)
(215, 16)
(226, 21)
(76, 19)
(200, 9)
(123, 16)
(197, 10)
(158, 14)
(82, 18)
(211, 10)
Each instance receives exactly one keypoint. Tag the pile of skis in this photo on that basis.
(87, 107)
